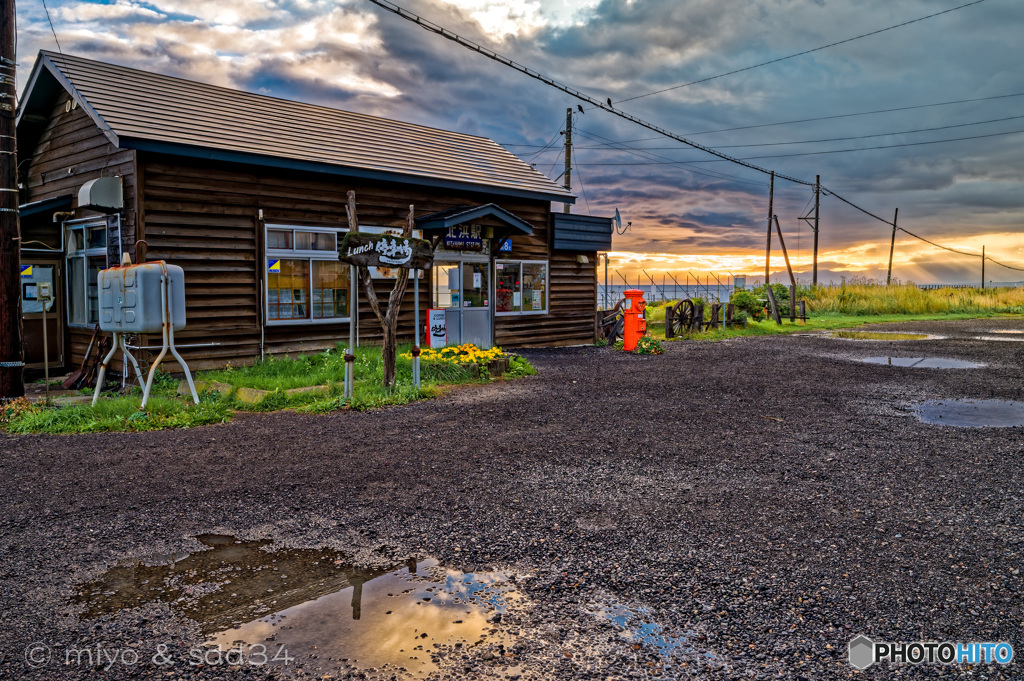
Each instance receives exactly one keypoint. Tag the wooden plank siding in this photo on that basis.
(203, 216)
(70, 152)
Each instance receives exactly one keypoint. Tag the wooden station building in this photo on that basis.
(247, 194)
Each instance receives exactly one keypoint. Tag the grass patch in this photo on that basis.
(119, 414)
(276, 375)
(824, 322)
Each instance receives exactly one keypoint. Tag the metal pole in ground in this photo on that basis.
(353, 298)
(982, 268)
(416, 325)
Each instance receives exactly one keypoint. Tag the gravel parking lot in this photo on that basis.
(744, 508)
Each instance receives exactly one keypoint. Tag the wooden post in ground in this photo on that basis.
(817, 197)
(12, 359)
(892, 247)
(768, 244)
(792, 278)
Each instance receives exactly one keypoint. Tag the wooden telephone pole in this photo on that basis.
(768, 245)
(567, 182)
(12, 360)
(892, 246)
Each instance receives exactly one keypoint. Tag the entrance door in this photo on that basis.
(463, 290)
(34, 274)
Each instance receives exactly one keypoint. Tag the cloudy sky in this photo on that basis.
(688, 211)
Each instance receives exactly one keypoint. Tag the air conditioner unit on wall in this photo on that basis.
(104, 194)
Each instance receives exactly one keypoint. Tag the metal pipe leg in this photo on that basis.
(135, 363)
(103, 369)
(149, 379)
(188, 374)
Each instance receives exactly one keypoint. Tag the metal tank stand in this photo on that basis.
(168, 345)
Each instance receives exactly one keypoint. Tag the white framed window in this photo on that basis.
(520, 287)
(305, 281)
(86, 254)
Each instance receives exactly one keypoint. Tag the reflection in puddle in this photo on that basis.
(923, 362)
(635, 627)
(1000, 338)
(1019, 331)
(883, 335)
(326, 614)
(971, 413)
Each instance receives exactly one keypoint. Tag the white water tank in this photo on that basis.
(130, 299)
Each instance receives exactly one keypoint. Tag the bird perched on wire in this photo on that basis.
(609, 101)
(580, 107)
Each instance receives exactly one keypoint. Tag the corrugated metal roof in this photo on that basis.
(139, 105)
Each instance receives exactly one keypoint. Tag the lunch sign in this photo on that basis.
(382, 250)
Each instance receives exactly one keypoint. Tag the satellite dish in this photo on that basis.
(618, 223)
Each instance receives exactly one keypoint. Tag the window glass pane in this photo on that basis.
(98, 237)
(475, 285)
(288, 290)
(535, 295)
(330, 289)
(279, 239)
(96, 263)
(446, 285)
(315, 241)
(76, 290)
(75, 240)
(507, 292)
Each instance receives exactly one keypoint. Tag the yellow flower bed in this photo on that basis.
(459, 354)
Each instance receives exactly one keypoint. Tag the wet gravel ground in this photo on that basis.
(758, 502)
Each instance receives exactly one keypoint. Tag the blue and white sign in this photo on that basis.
(506, 246)
(464, 238)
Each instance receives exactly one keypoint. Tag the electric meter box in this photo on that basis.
(130, 298)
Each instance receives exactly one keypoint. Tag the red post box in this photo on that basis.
(635, 325)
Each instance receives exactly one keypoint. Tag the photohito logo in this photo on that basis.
(864, 652)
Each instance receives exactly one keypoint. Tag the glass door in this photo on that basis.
(463, 290)
(476, 304)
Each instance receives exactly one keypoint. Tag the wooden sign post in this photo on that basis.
(379, 250)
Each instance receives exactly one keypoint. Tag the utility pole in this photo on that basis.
(892, 246)
(768, 245)
(817, 198)
(568, 156)
(12, 359)
(982, 268)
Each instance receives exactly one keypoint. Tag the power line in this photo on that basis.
(798, 54)
(883, 146)
(641, 153)
(583, 187)
(490, 54)
(843, 139)
(835, 116)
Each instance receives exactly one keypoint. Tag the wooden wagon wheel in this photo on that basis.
(682, 317)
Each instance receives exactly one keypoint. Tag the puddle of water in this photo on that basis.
(636, 627)
(883, 335)
(971, 413)
(1018, 331)
(1000, 338)
(923, 362)
(314, 605)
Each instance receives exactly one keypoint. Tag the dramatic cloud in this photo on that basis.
(687, 209)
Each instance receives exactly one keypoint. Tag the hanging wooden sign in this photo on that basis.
(376, 250)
